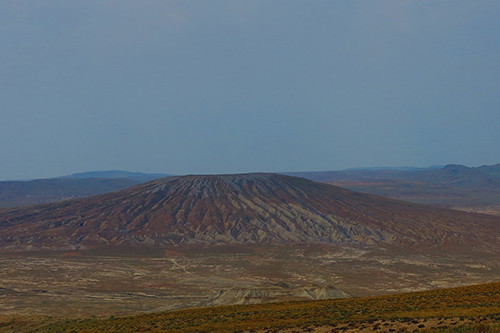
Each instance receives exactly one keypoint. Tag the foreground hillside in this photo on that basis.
(244, 208)
(432, 310)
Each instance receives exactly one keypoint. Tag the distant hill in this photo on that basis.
(452, 186)
(492, 170)
(112, 174)
(353, 174)
(24, 193)
(475, 189)
(245, 208)
(457, 175)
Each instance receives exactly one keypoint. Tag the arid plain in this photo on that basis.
(105, 282)
(197, 241)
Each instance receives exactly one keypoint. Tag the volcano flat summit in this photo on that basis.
(242, 208)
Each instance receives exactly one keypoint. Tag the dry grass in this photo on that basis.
(472, 304)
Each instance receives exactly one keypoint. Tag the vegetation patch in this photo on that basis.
(462, 309)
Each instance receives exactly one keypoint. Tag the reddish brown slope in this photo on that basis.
(240, 208)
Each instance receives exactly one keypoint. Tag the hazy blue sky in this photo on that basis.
(237, 86)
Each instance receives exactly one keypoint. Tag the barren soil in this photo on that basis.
(121, 281)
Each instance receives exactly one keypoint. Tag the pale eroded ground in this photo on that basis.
(129, 281)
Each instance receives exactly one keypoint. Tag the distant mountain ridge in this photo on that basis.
(245, 208)
(460, 175)
(429, 174)
(79, 185)
(452, 186)
(113, 174)
(492, 170)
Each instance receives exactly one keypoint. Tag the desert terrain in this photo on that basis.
(119, 281)
(201, 241)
